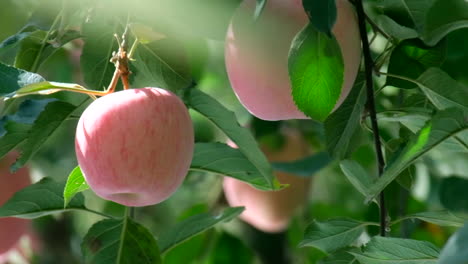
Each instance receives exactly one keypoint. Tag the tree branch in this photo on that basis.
(370, 105)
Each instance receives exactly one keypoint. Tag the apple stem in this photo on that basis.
(370, 105)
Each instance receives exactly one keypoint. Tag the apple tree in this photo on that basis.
(234, 131)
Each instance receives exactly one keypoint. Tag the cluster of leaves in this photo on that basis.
(431, 112)
(426, 120)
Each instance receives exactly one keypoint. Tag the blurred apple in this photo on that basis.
(135, 146)
(270, 211)
(11, 229)
(257, 55)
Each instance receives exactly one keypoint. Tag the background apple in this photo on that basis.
(266, 210)
(256, 55)
(11, 229)
(135, 146)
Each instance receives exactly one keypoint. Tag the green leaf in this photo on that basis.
(443, 125)
(45, 88)
(442, 90)
(145, 34)
(16, 38)
(227, 122)
(76, 183)
(454, 251)
(162, 64)
(221, 159)
(51, 119)
(411, 58)
(35, 48)
(230, 250)
(16, 133)
(11, 79)
(29, 50)
(342, 123)
(260, 5)
(444, 17)
(394, 29)
(316, 72)
(407, 13)
(27, 111)
(322, 14)
(384, 250)
(357, 175)
(193, 226)
(342, 256)
(120, 241)
(452, 194)
(333, 234)
(412, 118)
(441, 218)
(305, 167)
(39, 199)
(97, 50)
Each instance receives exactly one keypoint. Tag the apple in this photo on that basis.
(23, 250)
(135, 146)
(270, 211)
(256, 55)
(11, 229)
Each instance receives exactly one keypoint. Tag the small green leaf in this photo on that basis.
(260, 5)
(454, 251)
(316, 72)
(221, 159)
(53, 116)
(12, 79)
(443, 17)
(39, 199)
(443, 125)
(333, 234)
(227, 122)
(452, 194)
(411, 58)
(162, 64)
(45, 88)
(120, 241)
(441, 218)
(357, 175)
(76, 183)
(442, 90)
(193, 226)
(145, 34)
(342, 123)
(305, 167)
(97, 50)
(322, 14)
(385, 250)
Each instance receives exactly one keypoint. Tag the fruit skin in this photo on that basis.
(135, 146)
(270, 211)
(257, 55)
(11, 229)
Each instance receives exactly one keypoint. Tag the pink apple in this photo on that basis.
(257, 55)
(270, 211)
(135, 146)
(11, 229)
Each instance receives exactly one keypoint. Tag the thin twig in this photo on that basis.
(371, 108)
